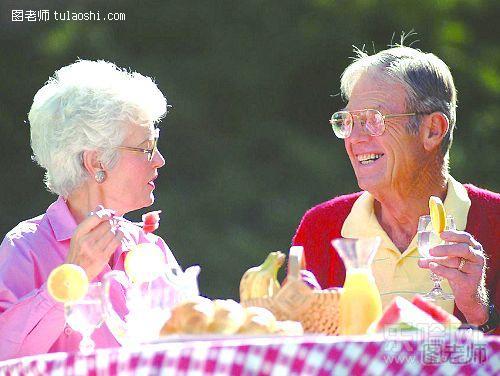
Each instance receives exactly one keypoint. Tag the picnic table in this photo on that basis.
(462, 352)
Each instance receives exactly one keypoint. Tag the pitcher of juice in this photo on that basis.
(360, 303)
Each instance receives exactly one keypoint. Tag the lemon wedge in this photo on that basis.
(68, 283)
(144, 263)
(437, 213)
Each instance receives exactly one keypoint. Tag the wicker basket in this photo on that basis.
(316, 310)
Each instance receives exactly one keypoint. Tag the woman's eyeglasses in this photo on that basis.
(150, 151)
(371, 120)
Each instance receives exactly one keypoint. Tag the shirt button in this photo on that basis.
(68, 330)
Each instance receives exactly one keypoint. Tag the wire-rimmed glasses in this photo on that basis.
(150, 151)
(371, 120)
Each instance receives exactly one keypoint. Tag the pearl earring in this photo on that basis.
(100, 176)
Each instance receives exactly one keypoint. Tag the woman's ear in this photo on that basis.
(434, 128)
(91, 162)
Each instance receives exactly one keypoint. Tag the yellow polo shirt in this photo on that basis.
(398, 273)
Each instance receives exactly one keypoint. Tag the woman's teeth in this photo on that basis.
(368, 158)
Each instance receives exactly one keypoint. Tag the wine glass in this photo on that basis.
(427, 238)
(86, 315)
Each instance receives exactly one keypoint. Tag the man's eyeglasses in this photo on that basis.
(150, 152)
(371, 120)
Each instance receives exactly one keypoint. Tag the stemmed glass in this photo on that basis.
(86, 315)
(427, 238)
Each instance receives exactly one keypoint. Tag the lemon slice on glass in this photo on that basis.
(437, 213)
(144, 262)
(68, 283)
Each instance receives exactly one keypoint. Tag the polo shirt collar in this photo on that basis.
(362, 221)
(62, 222)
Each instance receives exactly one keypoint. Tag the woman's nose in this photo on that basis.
(158, 159)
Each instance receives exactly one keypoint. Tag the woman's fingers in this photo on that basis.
(109, 241)
(92, 221)
(113, 244)
(94, 241)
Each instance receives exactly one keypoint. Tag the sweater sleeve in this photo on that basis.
(30, 320)
(483, 222)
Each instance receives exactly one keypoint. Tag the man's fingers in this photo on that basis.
(460, 237)
(424, 263)
(454, 250)
(451, 262)
(451, 274)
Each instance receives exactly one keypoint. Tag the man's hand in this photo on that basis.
(94, 241)
(463, 263)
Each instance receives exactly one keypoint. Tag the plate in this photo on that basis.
(221, 337)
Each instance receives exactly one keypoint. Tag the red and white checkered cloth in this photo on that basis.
(307, 355)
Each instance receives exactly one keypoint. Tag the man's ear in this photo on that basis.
(434, 128)
(91, 162)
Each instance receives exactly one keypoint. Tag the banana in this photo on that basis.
(261, 281)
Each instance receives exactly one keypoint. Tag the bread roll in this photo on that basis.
(290, 328)
(190, 317)
(258, 321)
(229, 317)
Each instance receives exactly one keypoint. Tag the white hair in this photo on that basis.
(88, 105)
(426, 79)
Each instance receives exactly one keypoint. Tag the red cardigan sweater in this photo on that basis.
(324, 222)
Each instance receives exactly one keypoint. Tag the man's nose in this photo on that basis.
(359, 131)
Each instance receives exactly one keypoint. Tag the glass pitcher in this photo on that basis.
(147, 305)
(360, 303)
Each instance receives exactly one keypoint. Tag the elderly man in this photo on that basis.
(397, 129)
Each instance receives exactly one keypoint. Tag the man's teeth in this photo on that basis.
(368, 158)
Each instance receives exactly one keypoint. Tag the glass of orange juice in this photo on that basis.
(360, 303)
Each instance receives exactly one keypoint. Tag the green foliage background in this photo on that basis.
(253, 83)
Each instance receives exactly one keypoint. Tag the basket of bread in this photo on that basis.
(299, 299)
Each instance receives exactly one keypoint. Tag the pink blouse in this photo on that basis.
(31, 321)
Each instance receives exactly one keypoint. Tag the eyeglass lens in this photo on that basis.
(371, 120)
(152, 151)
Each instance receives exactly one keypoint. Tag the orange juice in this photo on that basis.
(360, 303)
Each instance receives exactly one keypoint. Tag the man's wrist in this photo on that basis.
(492, 322)
(478, 315)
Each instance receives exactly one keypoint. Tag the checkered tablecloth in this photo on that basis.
(453, 354)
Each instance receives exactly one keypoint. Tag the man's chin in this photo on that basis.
(369, 184)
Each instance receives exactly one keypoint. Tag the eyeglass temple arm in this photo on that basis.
(131, 148)
(398, 115)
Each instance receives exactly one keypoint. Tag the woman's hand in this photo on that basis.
(94, 241)
(463, 263)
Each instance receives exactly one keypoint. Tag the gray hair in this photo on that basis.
(88, 105)
(426, 79)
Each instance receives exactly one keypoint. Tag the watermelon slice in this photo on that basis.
(151, 221)
(405, 315)
(436, 312)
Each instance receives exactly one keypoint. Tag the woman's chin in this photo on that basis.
(151, 200)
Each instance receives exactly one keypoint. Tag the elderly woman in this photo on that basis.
(93, 131)
(397, 129)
